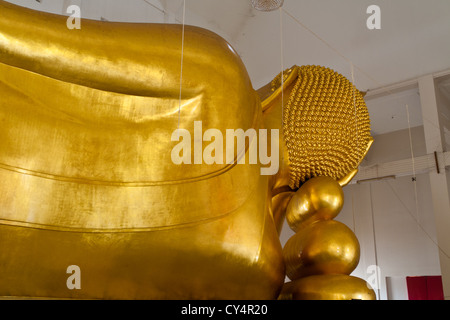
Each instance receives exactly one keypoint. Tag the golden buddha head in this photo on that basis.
(325, 123)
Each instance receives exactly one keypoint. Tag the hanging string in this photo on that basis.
(354, 102)
(331, 47)
(181, 69)
(410, 141)
(414, 178)
(417, 222)
(374, 237)
(156, 7)
(164, 12)
(353, 212)
(378, 83)
(282, 64)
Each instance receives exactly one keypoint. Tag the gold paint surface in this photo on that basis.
(328, 287)
(87, 177)
(326, 125)
(324, 247)
(318, 199)
(279, 204)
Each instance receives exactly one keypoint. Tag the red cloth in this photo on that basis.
(425, 288)
(435, 289)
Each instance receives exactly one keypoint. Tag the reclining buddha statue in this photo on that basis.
(90, 122)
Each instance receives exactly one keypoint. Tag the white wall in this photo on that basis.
(395, 146)
(397, 289)
(394, 233)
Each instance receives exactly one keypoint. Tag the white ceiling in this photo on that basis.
(414, 39)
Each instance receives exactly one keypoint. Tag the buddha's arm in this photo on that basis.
(136, 59)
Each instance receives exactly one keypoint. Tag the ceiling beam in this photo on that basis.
(400, 86)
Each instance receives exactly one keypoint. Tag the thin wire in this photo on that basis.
(374, 238)
(414, 179)
(416, 219)
(410, 141)
(379, 84)
(417, 222)
(181, 69)
(160, 10)
(354, 103)
(353, 211)
(282, 65)
(331, 47)
(156, 7)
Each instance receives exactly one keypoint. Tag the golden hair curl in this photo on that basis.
(326, 125)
